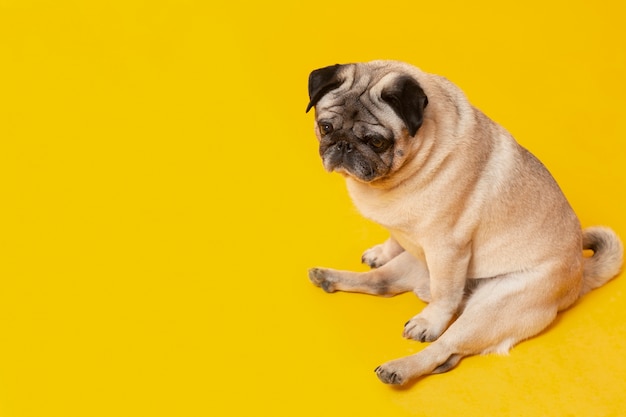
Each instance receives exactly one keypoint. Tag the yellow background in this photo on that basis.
(162, 200)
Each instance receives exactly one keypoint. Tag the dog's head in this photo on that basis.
(366, 117)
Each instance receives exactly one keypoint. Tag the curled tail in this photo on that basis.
(607, 258)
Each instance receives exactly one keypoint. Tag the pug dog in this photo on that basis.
(479, 229)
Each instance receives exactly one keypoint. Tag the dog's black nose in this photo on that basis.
(344, 146)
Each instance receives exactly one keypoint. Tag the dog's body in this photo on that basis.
(479, 228)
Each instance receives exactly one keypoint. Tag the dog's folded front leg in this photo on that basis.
(448, 274)
(379, 255)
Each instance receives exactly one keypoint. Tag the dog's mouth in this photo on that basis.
(344, 158)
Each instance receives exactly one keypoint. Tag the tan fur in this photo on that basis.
(479, 228)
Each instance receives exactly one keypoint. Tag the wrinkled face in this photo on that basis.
(363, 119)
(352, 139)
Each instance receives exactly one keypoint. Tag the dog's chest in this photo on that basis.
(385, 208)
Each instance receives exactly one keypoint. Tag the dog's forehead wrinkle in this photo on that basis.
(325, 112)
(355, 105)
(331, 101)
(353, 111)
(361, 80)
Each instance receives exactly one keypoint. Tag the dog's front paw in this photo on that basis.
(374, 257)
(390, 374)
(422, 330)
(322, 278)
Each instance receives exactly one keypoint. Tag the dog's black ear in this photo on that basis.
(408, 101)
(321, 81)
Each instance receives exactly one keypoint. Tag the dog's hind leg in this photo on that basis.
(499, 313)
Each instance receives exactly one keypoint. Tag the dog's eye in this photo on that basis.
(376, 141)
(325, 128)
